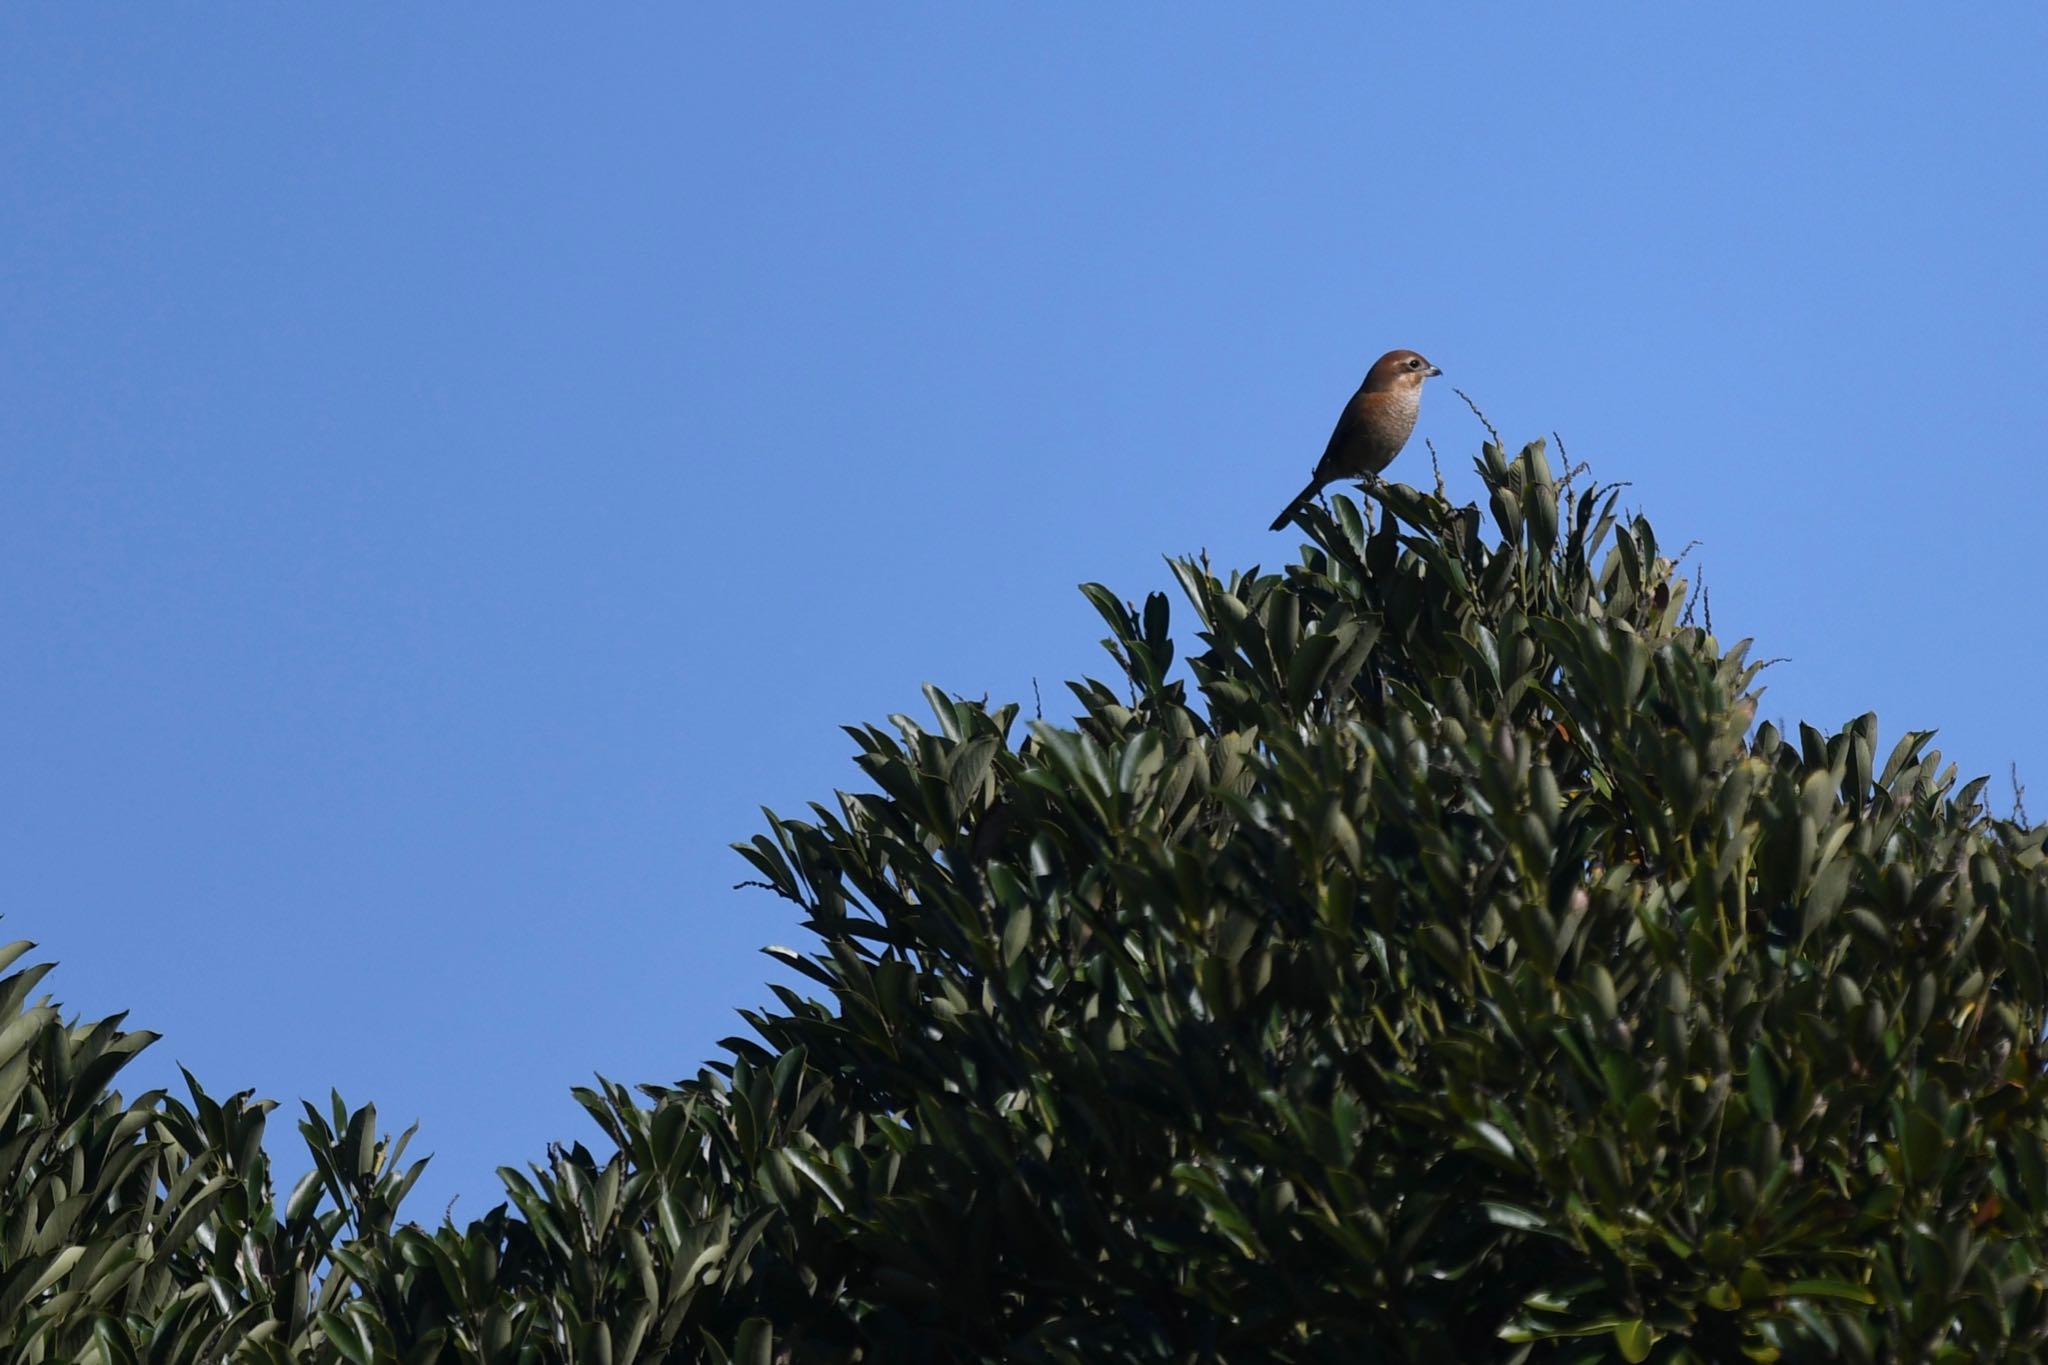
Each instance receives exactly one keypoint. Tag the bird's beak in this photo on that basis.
(1434, 372)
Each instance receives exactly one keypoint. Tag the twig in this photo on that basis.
(2019, 798)
(1434, 467)
(1037, 702)
(1571, 471)
(1480, 415)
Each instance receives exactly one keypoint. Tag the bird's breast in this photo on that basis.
(1392, 414)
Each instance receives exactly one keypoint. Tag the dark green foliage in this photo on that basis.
(1456, 973)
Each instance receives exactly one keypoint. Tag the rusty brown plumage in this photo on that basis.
(1374, 426)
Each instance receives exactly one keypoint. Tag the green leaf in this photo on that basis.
(1016, 933)
(1514, 1216)
(755, 1344)
(1828, 1289)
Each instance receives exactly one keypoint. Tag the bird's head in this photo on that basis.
(1398, 370)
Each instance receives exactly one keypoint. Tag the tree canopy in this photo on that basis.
(1442, 965)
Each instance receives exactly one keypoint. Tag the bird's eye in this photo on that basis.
(1414, 362)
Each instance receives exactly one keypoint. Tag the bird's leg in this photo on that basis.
(1367, 486)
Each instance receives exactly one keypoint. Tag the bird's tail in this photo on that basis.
(1301, 500)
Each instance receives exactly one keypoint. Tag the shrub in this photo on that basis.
(1446, 968)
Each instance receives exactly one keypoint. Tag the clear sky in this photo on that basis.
(461, 461)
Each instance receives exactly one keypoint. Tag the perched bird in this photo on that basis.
(1374, 427)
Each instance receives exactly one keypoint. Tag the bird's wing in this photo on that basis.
(1330, 467)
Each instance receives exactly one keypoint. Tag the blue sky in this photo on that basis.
(461, 462)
